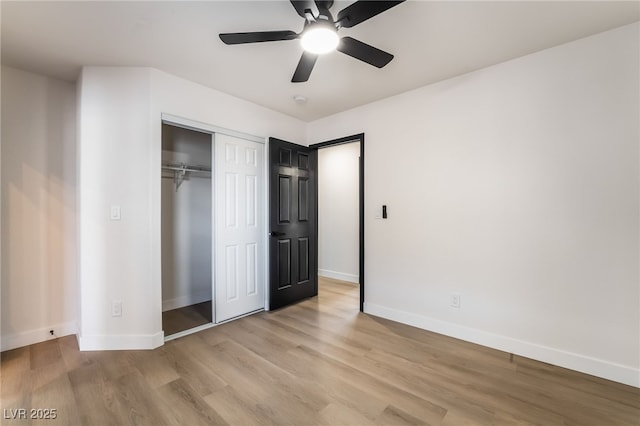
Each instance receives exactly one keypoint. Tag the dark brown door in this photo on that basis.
(293, 262)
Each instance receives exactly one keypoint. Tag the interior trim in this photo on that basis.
(573, 361)
(201, 127)
(349, 139)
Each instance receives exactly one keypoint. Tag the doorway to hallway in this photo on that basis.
(341, 210)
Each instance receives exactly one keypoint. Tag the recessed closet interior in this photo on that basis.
(187, 226)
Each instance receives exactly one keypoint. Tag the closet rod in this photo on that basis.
(181, 170)
(182, 167)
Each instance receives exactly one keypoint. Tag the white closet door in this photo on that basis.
(239, 227)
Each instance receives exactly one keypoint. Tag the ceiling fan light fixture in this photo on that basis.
(320, 39)
(320, 33)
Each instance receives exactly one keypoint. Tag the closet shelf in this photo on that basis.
(181, 171)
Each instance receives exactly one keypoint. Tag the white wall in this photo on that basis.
(186, 220)
(517, 187)
(338, 216)
(39, 285)
(114, 169)
(120, 159)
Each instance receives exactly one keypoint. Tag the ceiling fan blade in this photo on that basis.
(362, 10)
(364, 52)
(304, 68)
(303, 5)
(257, 37)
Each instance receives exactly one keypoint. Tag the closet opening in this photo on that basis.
(213, 226)
(187, 230)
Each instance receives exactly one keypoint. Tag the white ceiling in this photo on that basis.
(431, 41)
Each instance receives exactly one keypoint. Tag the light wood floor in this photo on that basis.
(318, 362)
(186, 318)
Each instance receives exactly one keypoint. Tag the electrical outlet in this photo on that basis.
(116, 308)
(455, 300)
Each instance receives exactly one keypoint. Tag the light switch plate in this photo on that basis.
(115, 213)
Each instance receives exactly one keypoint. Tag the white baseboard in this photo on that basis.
(584, 364)
(188, 300)
(339, 276)
(30, 337)
(120, 342)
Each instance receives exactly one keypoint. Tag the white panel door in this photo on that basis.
(239, 227)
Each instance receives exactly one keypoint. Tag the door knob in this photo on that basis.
(277, 234)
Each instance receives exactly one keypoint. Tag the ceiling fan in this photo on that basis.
(320, 33)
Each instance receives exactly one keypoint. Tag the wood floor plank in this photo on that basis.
(71, 354)
(94, 395)
(323, 334)
(275, 380)
(45, 353)
(373, 384)
(425, 382)
(339, 415)
(319, 362)
(57, 394)
(139, 404)
(158, 369)
(582, 383)
(16, 378)
(395, 416)
(115, 364)
(190, 361)
(235, 408)
(339, 388)
(185, 407)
